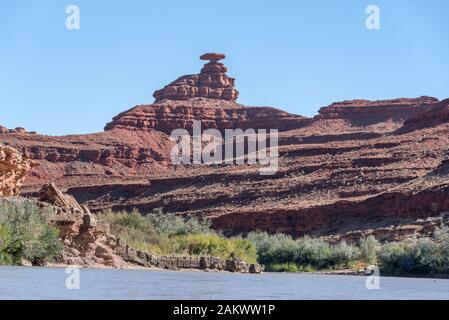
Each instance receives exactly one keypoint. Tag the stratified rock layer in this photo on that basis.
(166, 116)
(212, 83)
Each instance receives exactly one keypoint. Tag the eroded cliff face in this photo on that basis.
(13, 169)
(358, 165)
(168, 115)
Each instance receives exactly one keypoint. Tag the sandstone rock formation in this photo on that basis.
(212, 83)
(88, 241)
(51, 194)
(356, 166)
(13, 169)
(166, 116)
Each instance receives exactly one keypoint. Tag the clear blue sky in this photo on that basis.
(295, 55)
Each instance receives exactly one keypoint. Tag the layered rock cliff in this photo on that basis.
(167, 116)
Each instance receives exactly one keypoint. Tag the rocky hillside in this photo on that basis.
(356, 166)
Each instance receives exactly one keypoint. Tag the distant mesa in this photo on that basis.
(211, 83)
(16, 130)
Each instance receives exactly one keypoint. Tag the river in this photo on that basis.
(53, 283)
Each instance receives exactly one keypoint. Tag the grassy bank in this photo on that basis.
(166, 234)
(26, 234)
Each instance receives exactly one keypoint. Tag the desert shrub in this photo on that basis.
(215, 245)
(171, 224)
(369, 248)
(442, 237)
(132, 227)
(167, 234)
(280, 251)
(343, 254)
(314, 252)
(271, 249)
(25, 233)
(416, 256)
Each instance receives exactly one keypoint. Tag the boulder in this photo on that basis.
(50, 193)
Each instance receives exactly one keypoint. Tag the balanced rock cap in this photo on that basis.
(213, 57)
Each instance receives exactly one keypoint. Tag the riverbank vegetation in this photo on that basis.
(414, 256)
(417, 256)
(26, 234)
(167, 234)
(280, 252)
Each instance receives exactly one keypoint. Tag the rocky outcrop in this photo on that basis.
(212, 83)
(14, 167)
(88, 241)
(433, 117)
(394, 232)
(15, 130)
(87, 159)
(167, 116)
(384, 115)
(51, 194)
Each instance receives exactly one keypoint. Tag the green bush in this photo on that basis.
(280, 251)
(215, 245)
(369, 248)
(25, 233)
(132, 227)
(314, 252)
(343, 254)
(172, 225)
(414, 257)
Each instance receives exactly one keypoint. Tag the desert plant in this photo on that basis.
(25, 233)
(171, 224)
(369, 248)
(415, 256)
(280, 251)
(168, 234)
(342, 254)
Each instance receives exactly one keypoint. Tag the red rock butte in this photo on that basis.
(212, 82)
(358, 167)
